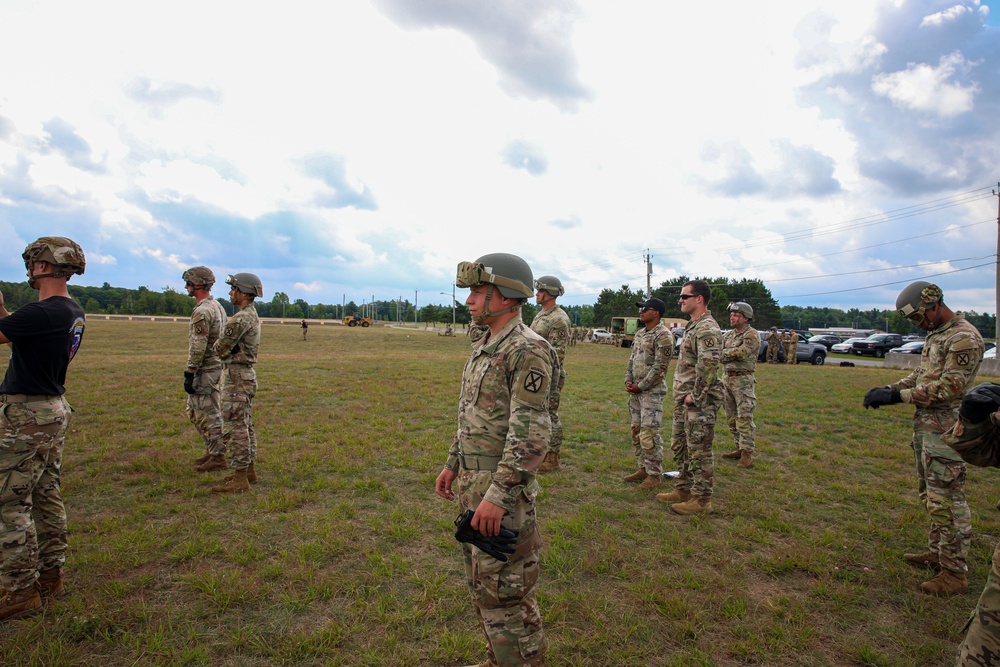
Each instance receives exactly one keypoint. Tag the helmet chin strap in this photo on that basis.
(481, 318)
(32, 279)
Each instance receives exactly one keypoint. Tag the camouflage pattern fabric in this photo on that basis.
(948, 366)
(503, 417)
(647, 367)
(554, 326)
(238, 347)
(697, 374)
(791, 347)
(739, 358)
(773, 345)
(32, 436)
(203, 406)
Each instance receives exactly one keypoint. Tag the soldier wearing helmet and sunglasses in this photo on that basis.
(237, 347)
(740, 347)
(503, 435)
(553, 324)
(948, 366)
(44, 337)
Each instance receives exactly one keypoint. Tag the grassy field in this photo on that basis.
(343, 554)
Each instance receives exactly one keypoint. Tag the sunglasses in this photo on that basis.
(684, 297)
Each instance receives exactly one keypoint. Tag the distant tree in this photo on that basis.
(294, 311)
(91, 306)
(303, 308)
(279, 302)
(614, 304)
(319, 311)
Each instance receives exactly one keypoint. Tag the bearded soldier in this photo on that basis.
(739, 358)
(204, 368)
(44, 337)
(948, 366)
(503, 435)
(553, 324)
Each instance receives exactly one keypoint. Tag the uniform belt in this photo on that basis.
(25, 398)
(472, 462)
(738, 372)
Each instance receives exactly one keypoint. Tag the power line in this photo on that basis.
(895, 282)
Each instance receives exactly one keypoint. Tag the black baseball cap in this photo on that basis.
(655, 304)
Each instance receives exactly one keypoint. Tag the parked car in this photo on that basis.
(912, 338)
(826, 340)
(813, 353)
(989, 345)
(845, 347)
(916, 347)
(990, 353)
(877, 345)
(601, 333)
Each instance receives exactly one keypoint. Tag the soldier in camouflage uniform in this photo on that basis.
(774, 344)
(552, 323)
(948, 367)
(697, 397)
(740, 347)
(34, 416)
(204, 368)
(976, 438)
(237, 347)
(502, 437)
(646, 383)
(791, 344)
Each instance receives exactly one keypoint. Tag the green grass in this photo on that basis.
(343, 554)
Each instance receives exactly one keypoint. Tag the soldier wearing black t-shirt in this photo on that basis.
(43, 336)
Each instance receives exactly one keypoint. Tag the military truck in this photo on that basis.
(625, 328)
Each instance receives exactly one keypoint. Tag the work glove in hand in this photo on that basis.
(882, 396)
(189, 382)
(497, 546)
(981, 402)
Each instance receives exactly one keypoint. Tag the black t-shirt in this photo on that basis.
(45, 336)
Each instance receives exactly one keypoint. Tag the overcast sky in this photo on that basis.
(834, 150)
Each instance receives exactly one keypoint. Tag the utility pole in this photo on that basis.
(996, 313)
(415, 302)
(649, 273)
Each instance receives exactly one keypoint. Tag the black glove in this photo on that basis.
(498, 546)
(882, 396)
(981, 402)
(189, 382)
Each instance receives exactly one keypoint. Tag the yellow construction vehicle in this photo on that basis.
(355, 320)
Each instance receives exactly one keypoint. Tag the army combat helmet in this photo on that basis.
(916, 298)
(509, 273)
(64, 256)
(199, 276)
(743, 308)
(247, 283)
(550, 284)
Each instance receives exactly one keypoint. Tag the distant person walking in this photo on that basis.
(740, 347)
(774, 344)
(305, 329)
(203, 372)
(646, 383)
(44, 336)
(238, 347)
(553, 324)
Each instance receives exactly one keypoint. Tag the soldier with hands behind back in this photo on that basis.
(552, 323)
(503, 435)
(740, 347)
(44, 336)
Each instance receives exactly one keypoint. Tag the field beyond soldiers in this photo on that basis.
(343, 554)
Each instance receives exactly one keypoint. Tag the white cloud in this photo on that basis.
(926, 88)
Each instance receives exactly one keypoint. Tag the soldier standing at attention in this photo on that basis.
(204, 368)
(503, 434)
(34, 415)
(697, 396)
(646, 383)
(237, 347)
(739, 357)
(552, 323)
(774, 344)
(948, 367)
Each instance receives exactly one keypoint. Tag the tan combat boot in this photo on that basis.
(50, 583)
(651, 482)
(550, 463)
(675, 496)
(946, 583)
(17, 604)
(214, 462)
(637, 476)
(925, 561)
(732, 455)
(251, 474)
(237, 484)
(201, 459)
(746, 459)
(693, 506)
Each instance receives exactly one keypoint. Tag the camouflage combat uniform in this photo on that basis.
(774, 344)
(979, 444)
(554, 326)
(237, 347)
(502, 438)
(697, 373)
(203, 406)
(647, 368)
(948, 366)
(739, 357)
(791, 347)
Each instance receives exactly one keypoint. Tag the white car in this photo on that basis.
(845, 347)
(600, 333)
(990, 353)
